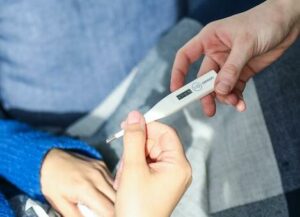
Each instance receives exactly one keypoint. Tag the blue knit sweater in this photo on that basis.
(22, 152)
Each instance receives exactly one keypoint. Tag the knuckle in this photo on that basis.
(231, 71)
(189, 175)
(213, 24)
(179, 55)
(182, 54)
(211, 27)
(186, 173)
(187, 169)
(179, 52)
(172, 132)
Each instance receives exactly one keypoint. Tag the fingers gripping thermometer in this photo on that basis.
(177, 100)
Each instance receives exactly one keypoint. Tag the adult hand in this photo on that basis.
(154, 172)
(239, 47)
(68, 179)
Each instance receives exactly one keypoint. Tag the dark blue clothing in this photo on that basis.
(5, 211)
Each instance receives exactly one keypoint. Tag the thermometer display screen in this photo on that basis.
(184, 94)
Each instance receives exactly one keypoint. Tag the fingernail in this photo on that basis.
(241, 106)
(223, 88)
(123, 124)
(134, 117)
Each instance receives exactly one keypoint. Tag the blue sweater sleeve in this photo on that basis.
(23, 150)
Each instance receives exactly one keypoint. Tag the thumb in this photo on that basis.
(231, 70)
(134, 140)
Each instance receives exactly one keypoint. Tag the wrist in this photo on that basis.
(289, 12)
(47, 168)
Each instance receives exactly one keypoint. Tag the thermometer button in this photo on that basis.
(196, 86)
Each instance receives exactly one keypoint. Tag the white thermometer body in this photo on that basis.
(177, 100)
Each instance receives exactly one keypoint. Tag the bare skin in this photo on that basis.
(154, 173)
(238, 47)
(153, 177)
(68, 179)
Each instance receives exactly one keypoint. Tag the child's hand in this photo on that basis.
(154, 172)
(68, 179)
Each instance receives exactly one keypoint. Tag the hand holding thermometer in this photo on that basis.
(177, 100)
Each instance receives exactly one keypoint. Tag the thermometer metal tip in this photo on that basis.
(110, 139)
(177, 100)
(115, 136)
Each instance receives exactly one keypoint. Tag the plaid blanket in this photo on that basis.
(244, 164)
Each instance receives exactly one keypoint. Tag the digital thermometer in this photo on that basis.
(85, 211)
(177, 100)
